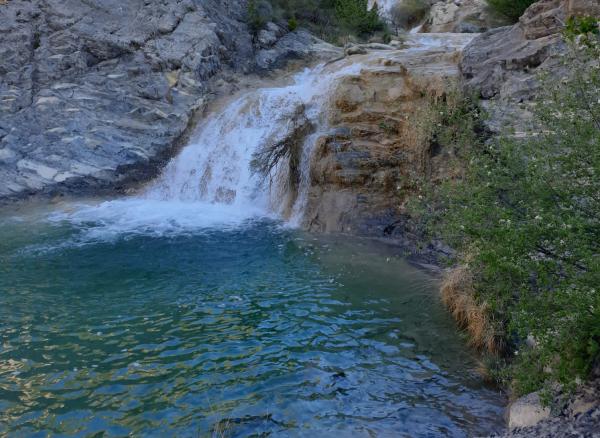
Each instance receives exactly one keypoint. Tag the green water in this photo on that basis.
(241, 330)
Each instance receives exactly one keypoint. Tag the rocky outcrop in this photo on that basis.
(276, 48)
(580, 416)
(363, 171)
(581, 426)
(471, 16)
(527, 411)
(504, 64)
(96, 95)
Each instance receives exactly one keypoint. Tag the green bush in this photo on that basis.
(512, 9)
(328, 19)
(356, 18)
(525, 218)
(292, 24)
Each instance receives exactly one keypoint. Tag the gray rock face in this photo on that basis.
(93, 94)
(503, 65)
(96, 94)
(462, 16)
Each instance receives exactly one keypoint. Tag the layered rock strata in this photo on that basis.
(95, 95)
(363, 171)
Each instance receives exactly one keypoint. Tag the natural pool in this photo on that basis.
(117, 323)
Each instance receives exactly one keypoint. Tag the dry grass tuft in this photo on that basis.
(458, 295)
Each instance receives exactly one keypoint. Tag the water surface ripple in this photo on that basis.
(248, 331)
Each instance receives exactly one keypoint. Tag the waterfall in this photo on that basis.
(211, 182)
(215, 168)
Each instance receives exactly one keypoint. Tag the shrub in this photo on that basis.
(355, 17)
(527, 214)
(292, 24)
(260, 12)
(512, 9)
(328, 19)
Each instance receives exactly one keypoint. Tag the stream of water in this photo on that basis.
(191, 309)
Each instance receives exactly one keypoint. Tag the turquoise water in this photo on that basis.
(235, 329)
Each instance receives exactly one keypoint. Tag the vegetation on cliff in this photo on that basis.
(525, 219)
(328, 19)
(512, 9)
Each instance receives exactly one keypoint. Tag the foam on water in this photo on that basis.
(111, 219)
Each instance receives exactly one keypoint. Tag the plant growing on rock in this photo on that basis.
(283, 151)
(525, 218)
(260, 12)
(512, 9)
(328, 19)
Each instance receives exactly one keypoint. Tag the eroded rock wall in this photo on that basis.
(95, 95)
(364, 170)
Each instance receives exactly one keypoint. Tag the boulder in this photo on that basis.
(293, 46)
(463, 16)
(527, 411)
(580, 416)
(354, 49)
(269, 35)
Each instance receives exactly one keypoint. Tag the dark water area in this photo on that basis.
(242, 330)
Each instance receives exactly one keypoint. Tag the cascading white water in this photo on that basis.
(211, 183)
(216, 167)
